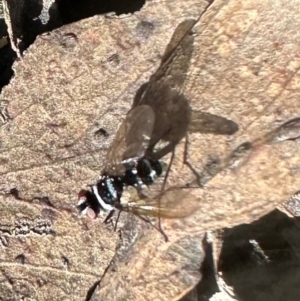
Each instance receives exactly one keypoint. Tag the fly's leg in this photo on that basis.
(188, 164)
(108, 219)
(117, 220)
(159, 228)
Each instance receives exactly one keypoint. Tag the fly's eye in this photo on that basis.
(81, 196)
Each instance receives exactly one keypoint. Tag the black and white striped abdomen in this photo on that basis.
(145, 172)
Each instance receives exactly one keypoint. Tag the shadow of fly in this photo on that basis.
(160, 112)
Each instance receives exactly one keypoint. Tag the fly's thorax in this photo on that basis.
(110, 188)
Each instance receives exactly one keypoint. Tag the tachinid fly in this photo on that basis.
(128, 169)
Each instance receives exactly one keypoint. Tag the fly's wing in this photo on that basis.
(171, 203)
(131, 140)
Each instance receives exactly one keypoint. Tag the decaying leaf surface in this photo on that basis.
(244, 68)
(45, 250)
(69, 83)
(84, 76)
(250, 76)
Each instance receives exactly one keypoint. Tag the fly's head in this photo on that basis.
(88, 204)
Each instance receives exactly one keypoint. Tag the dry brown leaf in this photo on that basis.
(244, 68)
(69, 83)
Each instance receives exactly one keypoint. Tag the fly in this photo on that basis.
(131, 164)
(129, 171)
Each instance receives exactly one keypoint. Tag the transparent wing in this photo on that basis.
(171, 203)
(132, 138)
